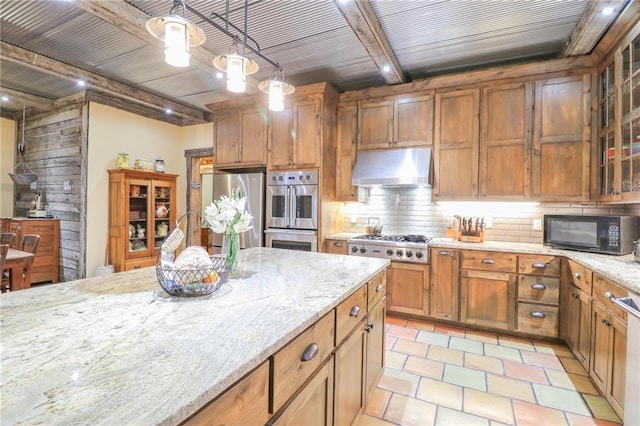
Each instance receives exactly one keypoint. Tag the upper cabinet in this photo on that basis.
(347, 119)
(240, 137)
(561, 139)
(456, 145)
(619, 124)
(397, 122)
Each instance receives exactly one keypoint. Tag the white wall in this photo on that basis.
(8, 130)
(112, 131)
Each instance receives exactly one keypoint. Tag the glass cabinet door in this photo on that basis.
(162, 196)
(138, 206)
(630, 123)
(607, 163)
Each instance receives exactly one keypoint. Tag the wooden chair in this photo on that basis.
(8, 238)
(29, 244)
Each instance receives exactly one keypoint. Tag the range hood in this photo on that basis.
(396, 167)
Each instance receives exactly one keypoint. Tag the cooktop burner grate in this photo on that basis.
(396, 238)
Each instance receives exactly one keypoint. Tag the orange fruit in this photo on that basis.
(211, 278)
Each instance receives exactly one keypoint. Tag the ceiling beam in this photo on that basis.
(128, 18)
(26, 58)
(365, 24)
(27, 99)
(591, 26)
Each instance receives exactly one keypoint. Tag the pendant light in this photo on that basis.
(22, 173)
(276, 88)
(237, 67)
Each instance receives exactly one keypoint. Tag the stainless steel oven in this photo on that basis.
(292, 200)
(292, 239)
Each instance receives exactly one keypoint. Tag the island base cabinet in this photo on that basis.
(350, 377)
(246, 403)
(313, 405)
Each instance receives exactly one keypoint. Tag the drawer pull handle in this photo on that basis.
(575, 296)
(137, 267)
(311, 351)
(539, 265)
(379, 288)
(577, 275)
(368, 328)
(488, 261)
(444, 253)
(537, 314)
(354, 311)
(337, 244)
(538, 286)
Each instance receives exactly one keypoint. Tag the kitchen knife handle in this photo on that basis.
(488, 261)
(539, 265)
(354, 311)
(537, 314)
(538, 286)
(310, 352)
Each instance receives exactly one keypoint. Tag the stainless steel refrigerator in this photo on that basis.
(250, 185)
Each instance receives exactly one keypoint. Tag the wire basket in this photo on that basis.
(185, 281)
(22, 174)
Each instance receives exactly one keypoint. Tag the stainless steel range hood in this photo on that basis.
(397, 167)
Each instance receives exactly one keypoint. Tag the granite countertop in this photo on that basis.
(116, 349)
(343, 236)
(620, 269)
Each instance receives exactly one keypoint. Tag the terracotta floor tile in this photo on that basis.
(410, 347)
(467, 377)
(424, 367)
(466, 345)
(525, 372)
(399, 382)
(451, 356)
(578, 420)
(502, 352)
(534, 415)
(440, 393)
(377, 403)
(601, 408)
(482, 336)
(410, 411)
(367, 420)
(484, 363)
(553, 349)
(433, 338)
(561, 399)
(396, 321)
(389, 342)
(576, 382)
(572, 365)
(450, 330)
(402, 332)
(509, 387)
(541, 360)
(449, 417)
(395, 360)
(516, 343)
(486, 405)
(421, 325)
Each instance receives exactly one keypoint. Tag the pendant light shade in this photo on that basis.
(237, 68)
(179, 35)
(276, 88)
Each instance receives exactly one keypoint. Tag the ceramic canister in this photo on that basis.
(122, 161)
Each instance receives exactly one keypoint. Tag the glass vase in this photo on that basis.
(230, 248)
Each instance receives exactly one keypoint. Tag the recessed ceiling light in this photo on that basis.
(82, 83)
(386, 68)
(5, 98)
(219, 74)
(607, 10)
(168, 111)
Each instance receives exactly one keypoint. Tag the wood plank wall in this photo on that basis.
(55, 148)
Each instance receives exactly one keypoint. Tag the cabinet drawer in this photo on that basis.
(350, 312)
(377, 289)
(336, 246)
(490, 261)
(539, 289)
(601, 286)
(141, 263)
(538, 319)
(295, 363)
(548, 266)
(581, 276)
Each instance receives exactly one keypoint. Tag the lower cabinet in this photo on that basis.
(335, 246)
(488, 299)
(577, 323)
(408, 288)
(443, 289)
(375, 346)
(350, 359)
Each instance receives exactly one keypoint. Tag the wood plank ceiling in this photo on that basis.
(47, 45)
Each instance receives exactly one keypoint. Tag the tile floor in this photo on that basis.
(443, 375)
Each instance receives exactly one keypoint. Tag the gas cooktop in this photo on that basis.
(405, 248)
(396, 238)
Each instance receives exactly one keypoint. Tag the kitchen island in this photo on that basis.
(116, 349)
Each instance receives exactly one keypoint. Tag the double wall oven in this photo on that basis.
(292, 210)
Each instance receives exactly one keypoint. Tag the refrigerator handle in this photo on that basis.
(287, 208)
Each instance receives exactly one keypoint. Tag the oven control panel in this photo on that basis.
(403, 254)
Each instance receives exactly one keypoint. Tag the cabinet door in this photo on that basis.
(561, 139)
(346, 155)
(226, 138)
(306, 141)
(138, 207)
(456, 145)
(443, 292)
(350, 361)
(336, 246)
(617, 364)
(281, 138)
(408, 286)
(375, 125)
(505, 142)
(163, 213)
(600, 347)
(253, 137)
(375, 347)
(488, 299)
(413, 121)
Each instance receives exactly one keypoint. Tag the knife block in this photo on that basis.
(471, 237)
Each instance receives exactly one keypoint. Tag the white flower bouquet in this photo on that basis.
(228, 215)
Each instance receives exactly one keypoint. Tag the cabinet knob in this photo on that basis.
(354, 311)
(310, 352)
(538, 286)
(539, 266)
(537, 314)
(609, 295)
(576, 274)
(368, 328)
(379, 288)
(488, 261)
(444, 253)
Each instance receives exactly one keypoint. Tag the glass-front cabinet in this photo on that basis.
(619, 124)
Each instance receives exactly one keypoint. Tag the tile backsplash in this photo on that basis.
(411, 211)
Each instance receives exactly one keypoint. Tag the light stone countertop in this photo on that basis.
(620, 269)
(116, 349)
(343, 236)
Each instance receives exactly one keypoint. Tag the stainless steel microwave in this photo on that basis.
(597, 234)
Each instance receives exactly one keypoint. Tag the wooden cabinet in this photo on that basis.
(408, 288)
(295, 135)
(456, 145)
(46, 263)
(561, 139)
(505, 142)
(395, 122)
(350, 363)
(347, 119)
(335, 246)
(488, 289)
(240, 137)
(444, 286)
(375, 346)
(538, 294)
(575, 309)
(245, 403)
(142, 208)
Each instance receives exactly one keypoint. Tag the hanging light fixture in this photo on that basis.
(276, 88)
(22, 173)
(178, 34)
(237, 67)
